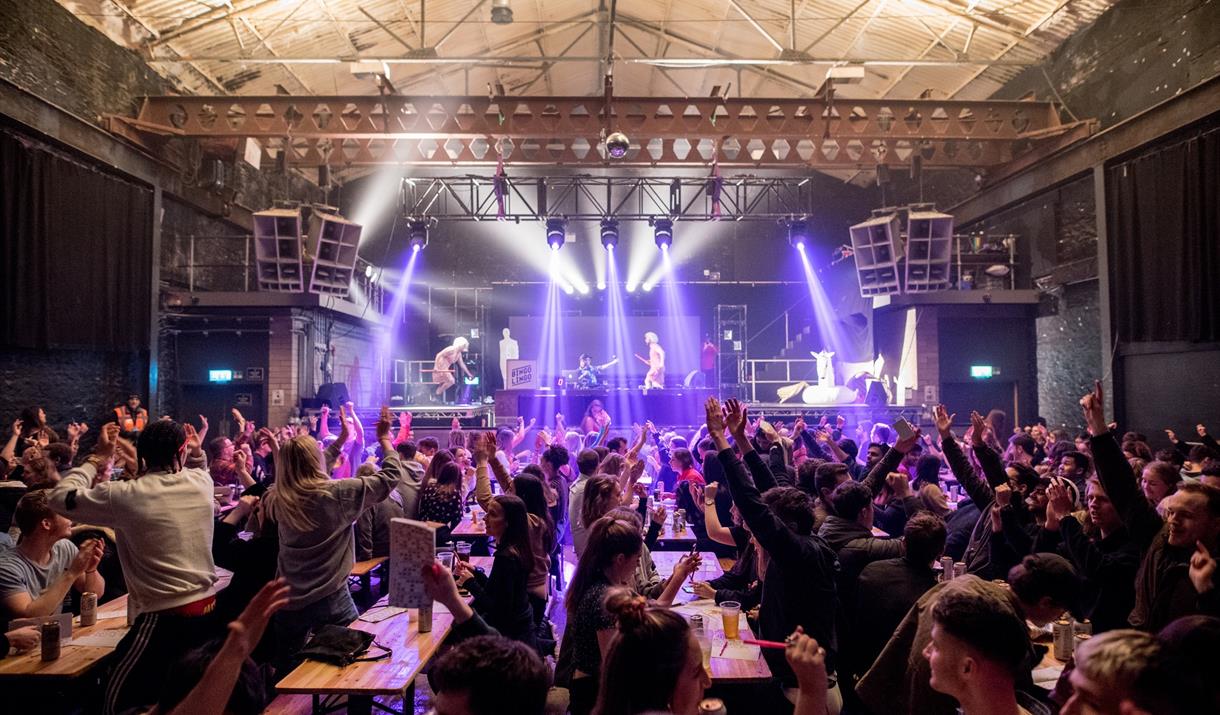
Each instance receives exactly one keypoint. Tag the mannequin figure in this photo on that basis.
(509, 350)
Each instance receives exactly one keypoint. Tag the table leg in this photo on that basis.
(359, 705)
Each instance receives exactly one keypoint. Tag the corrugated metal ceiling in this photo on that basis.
(229, 46)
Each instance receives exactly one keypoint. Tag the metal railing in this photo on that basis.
(751, 369)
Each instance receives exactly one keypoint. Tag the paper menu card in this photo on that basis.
(734, 650)
(412, 546)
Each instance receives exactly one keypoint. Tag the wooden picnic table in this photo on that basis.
(671, 540)
(724, 670)
(467, 530)
(77, 660)
(393, 676)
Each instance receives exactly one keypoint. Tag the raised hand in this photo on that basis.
(736, 417)
(715, 417)
(17, 425)
(240, 461)
(1058, 504)
(87, 557)
(385, 421)
(1093, 406)
(944, 421)
(978, 428)
(127, 456)
(203, 428)
(710, 490)
(1173, 436)
(404, 419)
(1003, 495)
(899, 484)
(441, 586)
(192, 437)
(106, 441)
(658, 514)
(1202, 568)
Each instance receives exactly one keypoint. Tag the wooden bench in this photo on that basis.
(362, 572)
(290, 705)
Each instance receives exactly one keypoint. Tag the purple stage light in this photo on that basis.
(389, 338)
(823, 313)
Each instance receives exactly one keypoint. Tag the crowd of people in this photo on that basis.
(903, 572)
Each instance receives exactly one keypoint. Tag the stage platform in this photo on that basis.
(441, 416)
(674, 407)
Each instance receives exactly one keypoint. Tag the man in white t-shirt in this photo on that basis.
(36, 575)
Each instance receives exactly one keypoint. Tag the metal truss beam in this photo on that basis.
(846, 133)
(592, 198)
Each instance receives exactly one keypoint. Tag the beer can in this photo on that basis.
(88, 609)
(425, 619)
(49, 633)
(1084, 627)
(1064, 639)
(946, 568)
(712, 706)
(1080, 640)
(959, 569)
(696, 623)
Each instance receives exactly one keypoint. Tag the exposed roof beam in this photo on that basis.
(152, 32)
(936, 40)
(287, 68)
(337, 26)
(670, 36)
(839, 23)
(989, 20)
(754, 23)
(550, 62)
(462, 21)
(388, 31)
(660, 70)
(207, 19)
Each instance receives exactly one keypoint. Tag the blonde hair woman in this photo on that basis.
(315, 514)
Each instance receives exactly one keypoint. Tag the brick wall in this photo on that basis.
(71, 385)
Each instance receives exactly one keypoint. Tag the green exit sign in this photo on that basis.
(981, 372)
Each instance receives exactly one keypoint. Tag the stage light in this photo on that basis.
(630, 287)
(583, 288)
(501, 12)
(556, 232)
(648, 287)
(798, 233)
(609, 232)
(417, 233)
(601, 285)
(368, 271)
(663, 232)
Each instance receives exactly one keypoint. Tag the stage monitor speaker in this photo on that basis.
(929, 248)
(332, 242)
(335, 393)
(877, 395)
(277, 251)
(875, 245)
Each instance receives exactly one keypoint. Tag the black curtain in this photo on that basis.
(75, 252)
(1163, 221)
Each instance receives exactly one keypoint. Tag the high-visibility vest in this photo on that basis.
(128, 423)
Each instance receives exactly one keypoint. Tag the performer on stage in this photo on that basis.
(655, 377)
(589, 375)
(442, 370)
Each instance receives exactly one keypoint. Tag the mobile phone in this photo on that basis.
(688, 588)
(904, 428)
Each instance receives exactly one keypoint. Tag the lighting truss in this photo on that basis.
(816, 133)
(592, 198)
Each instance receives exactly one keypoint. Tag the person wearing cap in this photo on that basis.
(130, 416)
(1039, 589)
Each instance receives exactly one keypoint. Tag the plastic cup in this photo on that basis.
(730, 615)
(463, 551)
(446, 559)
